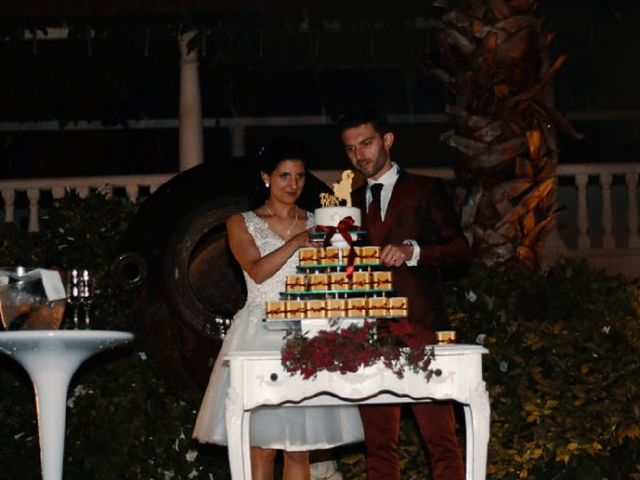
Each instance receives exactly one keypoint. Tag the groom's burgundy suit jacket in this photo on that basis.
(420, 209)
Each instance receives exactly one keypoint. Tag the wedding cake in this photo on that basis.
(332, 213)
(331, 216)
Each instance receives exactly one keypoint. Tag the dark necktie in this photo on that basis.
(374, 215)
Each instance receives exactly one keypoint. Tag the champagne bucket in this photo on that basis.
(31, 299)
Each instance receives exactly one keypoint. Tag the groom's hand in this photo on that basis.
(396, 255)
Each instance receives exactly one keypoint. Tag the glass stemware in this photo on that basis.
(73, 293)
(86, 295)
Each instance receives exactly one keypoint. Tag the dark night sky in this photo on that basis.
(260, 62)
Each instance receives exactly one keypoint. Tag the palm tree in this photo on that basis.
(494, 58)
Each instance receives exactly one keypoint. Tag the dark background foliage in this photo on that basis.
(563, 358)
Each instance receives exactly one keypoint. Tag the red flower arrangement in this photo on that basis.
(349, 349)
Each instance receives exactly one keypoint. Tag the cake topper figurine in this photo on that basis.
(341, 191)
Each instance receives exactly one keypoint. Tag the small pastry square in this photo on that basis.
(336, 307)
(276, 309)
(382, 280)
(308, 256)
(318, 282)
(378, 306)
(338, 281)
(331, 256)
(361, 281)
(296, 283)
(296, 309)
(398, 306)
(370, 255)
(444, 337)
(316, 309)
(356, 307)
(344, 255)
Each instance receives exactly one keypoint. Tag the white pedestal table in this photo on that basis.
(258, 379)
(51, 357)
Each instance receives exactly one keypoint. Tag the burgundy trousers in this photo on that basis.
(437, 425)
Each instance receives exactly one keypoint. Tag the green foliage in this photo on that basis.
(18, 247)
(561, 372)
(85, 232)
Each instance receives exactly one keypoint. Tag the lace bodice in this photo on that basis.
(267, 241)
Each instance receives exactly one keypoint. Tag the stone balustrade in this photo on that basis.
(599, 220)
(611, 190)
(24, 197)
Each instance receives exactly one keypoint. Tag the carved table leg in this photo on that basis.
(246, 449)
(470, 441)
(477, 419)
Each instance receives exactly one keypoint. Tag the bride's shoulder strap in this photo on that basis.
(254, 223)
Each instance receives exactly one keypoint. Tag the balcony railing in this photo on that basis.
(600, 220)
(22, 198)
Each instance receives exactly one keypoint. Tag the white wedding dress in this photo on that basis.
(297, 428)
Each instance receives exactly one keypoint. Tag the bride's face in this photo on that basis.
(286, 181)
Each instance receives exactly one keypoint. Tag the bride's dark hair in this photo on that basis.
(282, 148)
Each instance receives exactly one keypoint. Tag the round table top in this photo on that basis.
(24, 340)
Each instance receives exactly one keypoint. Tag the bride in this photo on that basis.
(264, 241)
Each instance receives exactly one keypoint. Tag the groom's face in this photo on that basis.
(368, 151)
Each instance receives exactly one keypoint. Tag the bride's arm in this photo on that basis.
(246, 252)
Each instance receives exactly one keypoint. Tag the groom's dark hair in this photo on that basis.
(363, 115)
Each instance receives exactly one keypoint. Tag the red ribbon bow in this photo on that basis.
(343, 228)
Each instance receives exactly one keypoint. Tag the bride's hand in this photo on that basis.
(303, 239)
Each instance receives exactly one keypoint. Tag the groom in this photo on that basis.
(412, 218)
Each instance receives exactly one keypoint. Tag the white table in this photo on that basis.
(258, 379)
(51, 357)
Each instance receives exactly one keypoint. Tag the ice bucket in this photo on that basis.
(31, 299)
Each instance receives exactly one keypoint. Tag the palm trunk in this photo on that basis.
(494, 59)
